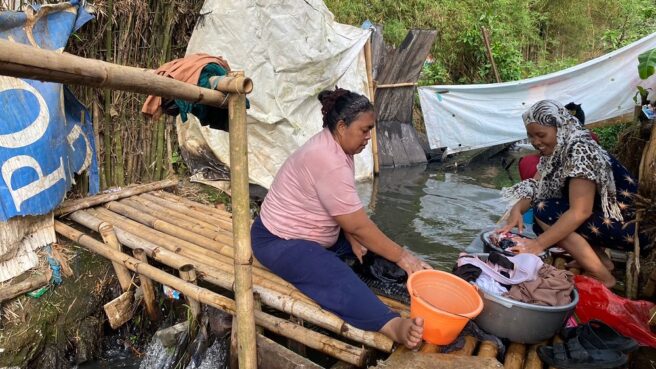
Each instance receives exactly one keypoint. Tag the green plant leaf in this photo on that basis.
(646, 63)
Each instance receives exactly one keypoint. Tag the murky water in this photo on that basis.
(436, 212)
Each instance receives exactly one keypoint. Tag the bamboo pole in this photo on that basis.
(468, 348)
(168, 228)
(171, 217)
(193, 205)
(532, 359)
(486, 40)
(397, 85)
(241, 228)
(488, 349)
(188, 274)
(515, 356)
(23, 61)
(107, 94)
(279, 326)
(283, 297)
(147, 287)
(372, 96)
(221, 222)
(87, 202)
(30, 284)
(108, 235)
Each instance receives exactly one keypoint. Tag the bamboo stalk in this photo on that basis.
(486, 40)
(469, 347)
(241, 228)
(159, 153)
(397, 85)
(532, 359)
(180, 219)
(488, 349)
(188, 274)
(171, 217)
(283, 296)
(119, 172)
(372, 96)
(30, 284)
(108, 235)
(193, 205)
(107, 93)
(223, 223)
(23, 61)
(263, 278)
(168, 228)
(515, 356)
(429, 348)
(312, 339)
(87, 202)
(147, 287)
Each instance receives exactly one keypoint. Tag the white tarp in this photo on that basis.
(292, 50)
(474, 116)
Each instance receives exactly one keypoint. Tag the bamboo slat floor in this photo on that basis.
(174, 223)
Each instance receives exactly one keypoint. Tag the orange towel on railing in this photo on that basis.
(185, 69)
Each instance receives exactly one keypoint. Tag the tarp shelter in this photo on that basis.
(466, 117)
(44, 139)
(292, 50)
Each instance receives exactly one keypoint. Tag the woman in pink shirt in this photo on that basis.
(312, 214)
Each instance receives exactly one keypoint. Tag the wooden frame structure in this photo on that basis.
(23, 61)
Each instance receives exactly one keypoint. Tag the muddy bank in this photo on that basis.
(64, 326)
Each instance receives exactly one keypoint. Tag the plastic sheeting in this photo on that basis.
(292, 50)
(467, 117)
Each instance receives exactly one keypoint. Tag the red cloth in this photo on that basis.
(528, 166)
(185, 69)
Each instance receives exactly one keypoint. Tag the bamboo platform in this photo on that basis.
(184, 235)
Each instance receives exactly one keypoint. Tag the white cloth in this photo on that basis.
(526, 268)
(475, 116)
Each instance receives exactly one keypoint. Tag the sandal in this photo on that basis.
(601, 336)
(574, 355)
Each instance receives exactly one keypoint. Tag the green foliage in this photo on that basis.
(528, 37)
(608, 136)
(646, 64)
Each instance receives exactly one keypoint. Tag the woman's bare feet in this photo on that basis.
(404, 331)
(608, 263)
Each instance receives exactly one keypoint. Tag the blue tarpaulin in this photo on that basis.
(44, 139)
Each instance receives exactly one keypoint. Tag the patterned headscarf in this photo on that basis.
(576, 155)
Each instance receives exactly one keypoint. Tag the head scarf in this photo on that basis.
(576, 155)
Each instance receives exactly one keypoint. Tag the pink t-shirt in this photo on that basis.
(316, 183)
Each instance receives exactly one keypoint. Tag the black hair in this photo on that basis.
(578, 112)
(342, 104)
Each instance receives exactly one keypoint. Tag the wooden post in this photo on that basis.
(108, 235)
(147, 287)
(372, 96)
(532, 359)
(486, 39)
(241, 229)
(188, 273)
(468, 348)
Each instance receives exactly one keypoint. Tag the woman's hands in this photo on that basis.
(527, 246)
(411, 263)
(516, 216)
(358, 249)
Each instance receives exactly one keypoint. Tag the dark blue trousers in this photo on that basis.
(319, 273)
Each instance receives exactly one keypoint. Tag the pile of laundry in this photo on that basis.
(523, 277)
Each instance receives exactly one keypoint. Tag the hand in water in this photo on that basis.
(515, 219)
(411, 263)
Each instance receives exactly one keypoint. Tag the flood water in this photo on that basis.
(434, 210)
(437, 212)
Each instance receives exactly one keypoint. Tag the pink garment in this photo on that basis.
(315, 184)
(526, 268)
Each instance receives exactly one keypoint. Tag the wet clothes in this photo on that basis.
(319, 273)
(599, 230)
(552, 287)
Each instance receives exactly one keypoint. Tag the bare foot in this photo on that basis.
(609, 282)
(405, 331)
(602, 256)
